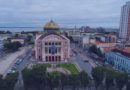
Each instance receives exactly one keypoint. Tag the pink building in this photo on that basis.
(51, 45)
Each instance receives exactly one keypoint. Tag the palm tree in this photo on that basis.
(128, 84)
(121, 79)
(109, 79)
(84, 79)
(74, 81)
(63, 81)
(98, 75)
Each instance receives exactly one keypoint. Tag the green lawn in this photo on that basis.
(71, 67)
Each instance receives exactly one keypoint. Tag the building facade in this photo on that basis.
(119, 59)
(124, 32)
(51, 46)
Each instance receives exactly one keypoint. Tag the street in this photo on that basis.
(85, 66)
(25, 61)
(80, 58)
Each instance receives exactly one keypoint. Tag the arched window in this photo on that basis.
(53, 58)
(59, 58)
(47, 59)
(56, 59)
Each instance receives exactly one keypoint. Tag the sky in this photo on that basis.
(67, 13)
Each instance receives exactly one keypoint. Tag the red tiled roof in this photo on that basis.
(127, 54)
(108, 49)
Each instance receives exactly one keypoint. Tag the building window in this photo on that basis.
(46, 50)
(49, 43)
(56, 58)
(49, 50)
(39, 57)
(52, 43)
(46, 58)
(59, 43)
(53, 58)
(59, 49)
(55, 43)
(49, 58)
(46, 43)
(59, 58)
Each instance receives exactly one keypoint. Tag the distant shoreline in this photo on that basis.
(20, 27)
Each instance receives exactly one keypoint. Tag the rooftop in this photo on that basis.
(100, 43)
(122, 52)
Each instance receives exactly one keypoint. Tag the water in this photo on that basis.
(19, 29)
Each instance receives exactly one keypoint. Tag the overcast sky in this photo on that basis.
(67, 13)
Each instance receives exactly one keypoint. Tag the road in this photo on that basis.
(26, 60)
(85, 66)
(80, 57)
(79, 60)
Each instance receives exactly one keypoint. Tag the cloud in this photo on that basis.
(68, 13)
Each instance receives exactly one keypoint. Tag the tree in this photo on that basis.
(93, 49)
(121, 79)
(35, 78)
(63, 81)
(98, 38)
(29, 38)
(73, 81)
(109, 80)
(12, 46)
(128, 84)
(16, 35)
(53, 80)
(98, 75)
(99, 52)
(22, 32)
(8, 82)
(84, 79)
(101, 30)
(5, 32)
(96, 50)
(1, 83)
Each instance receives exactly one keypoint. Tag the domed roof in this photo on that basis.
(51, 26)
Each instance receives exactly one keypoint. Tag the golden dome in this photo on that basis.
(51, 26)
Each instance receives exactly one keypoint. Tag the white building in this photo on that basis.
(124, 32)
(85, 39)
(21, 40)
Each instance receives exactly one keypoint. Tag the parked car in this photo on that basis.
(12, 70)
(86, 60)
(18, 61)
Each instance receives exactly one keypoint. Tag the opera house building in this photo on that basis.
(51, 46)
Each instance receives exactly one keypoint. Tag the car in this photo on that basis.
(86, 60)
(19, 61)
(12, 70)
(14, 67)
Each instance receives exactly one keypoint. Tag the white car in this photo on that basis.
(19, 61)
